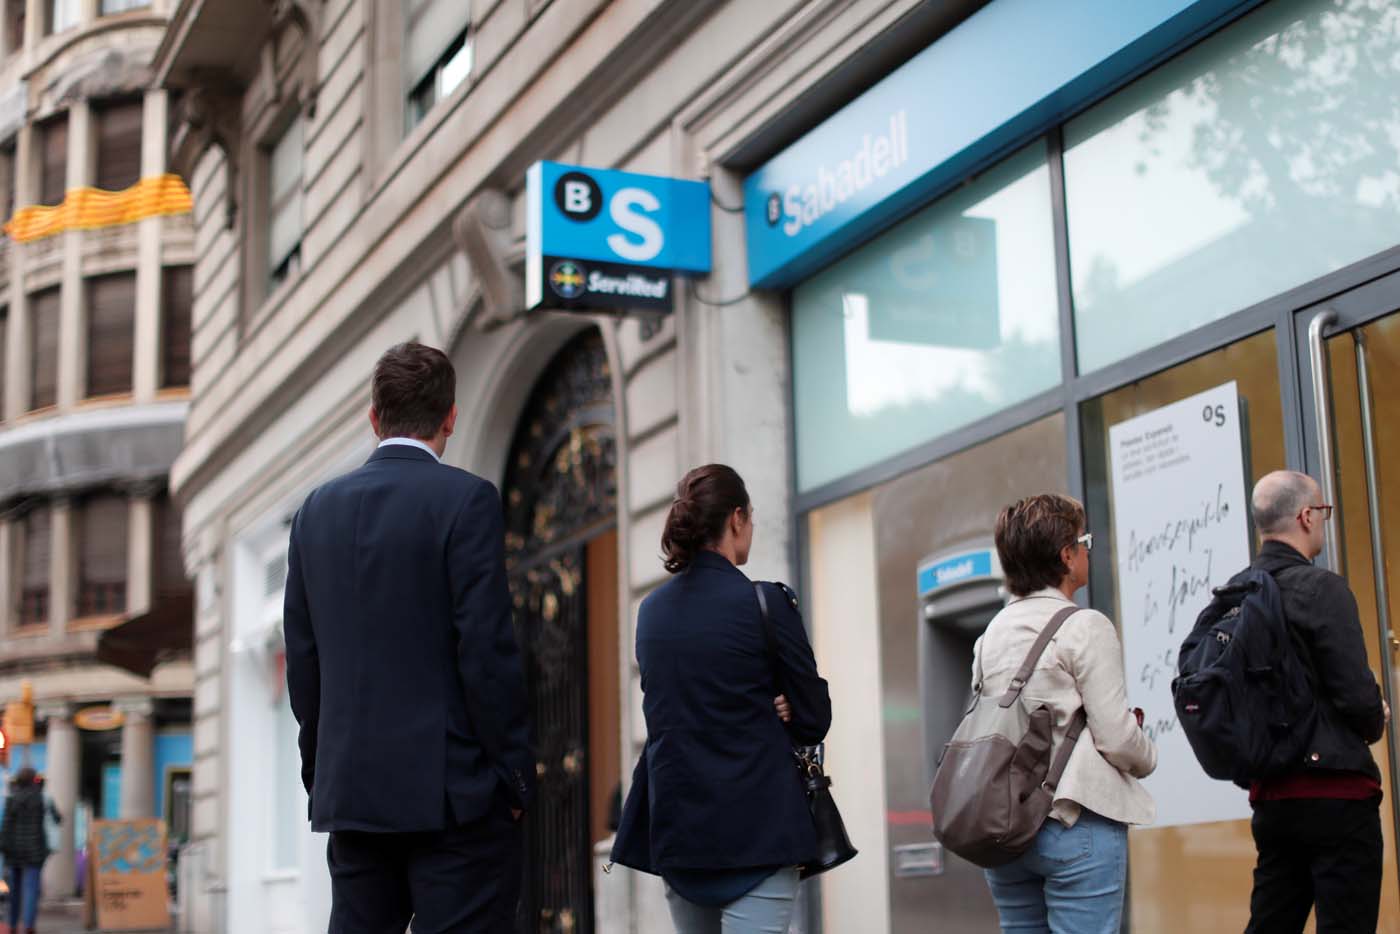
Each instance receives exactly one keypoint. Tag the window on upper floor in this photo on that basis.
(284, 205)
(14, 26)
(437, 53)
(117, 128)
(102, 547)
(63, 15)
(36, 543)
(170, 562)
(7, 180)
(177, 300)
(109, 7)
(43, 334)
(4, 349)
(53, 160)
(111, 317)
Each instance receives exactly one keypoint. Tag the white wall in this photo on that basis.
(844, 618)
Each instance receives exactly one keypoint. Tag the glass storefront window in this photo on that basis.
(1211, 860)
(899, 657)
(941, 321)
(1261, 159)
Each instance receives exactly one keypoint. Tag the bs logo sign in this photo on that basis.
(632, 209)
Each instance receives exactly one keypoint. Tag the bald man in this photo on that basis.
(1318, 830)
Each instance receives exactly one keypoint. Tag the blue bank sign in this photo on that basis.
(599, 238)
(1004, 74)
(955, 570)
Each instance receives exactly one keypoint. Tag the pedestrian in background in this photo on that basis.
(405, 677)
(1318, 827)
(25, 847)
(1071, 880)
(716, 807)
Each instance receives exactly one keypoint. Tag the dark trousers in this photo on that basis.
(1322, 852)
(464, 880)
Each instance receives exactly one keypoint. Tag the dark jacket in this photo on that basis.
(1326, 628)
(402, 664)
(22, 838)
(716, 786)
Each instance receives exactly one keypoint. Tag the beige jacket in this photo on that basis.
(1082, 666)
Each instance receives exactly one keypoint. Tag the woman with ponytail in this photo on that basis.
(716, 807)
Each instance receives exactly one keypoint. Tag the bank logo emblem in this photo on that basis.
(775, 209)
(566, 279)
(578, 196)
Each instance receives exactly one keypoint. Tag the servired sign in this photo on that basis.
(600, 238)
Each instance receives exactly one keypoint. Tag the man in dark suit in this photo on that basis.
(404, 674)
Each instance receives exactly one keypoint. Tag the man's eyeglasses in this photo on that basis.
(1325, 509)
(1087, 540)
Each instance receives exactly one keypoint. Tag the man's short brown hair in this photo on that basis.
(1030, 534)
(413, 392)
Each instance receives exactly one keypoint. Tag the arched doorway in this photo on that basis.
(560, 496)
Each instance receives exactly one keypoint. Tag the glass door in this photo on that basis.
(1352, 356)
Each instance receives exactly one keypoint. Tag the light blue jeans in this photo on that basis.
(765, 910)
(1069, 882)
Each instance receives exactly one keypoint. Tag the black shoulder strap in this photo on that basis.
(1023, 674)
(770, 641)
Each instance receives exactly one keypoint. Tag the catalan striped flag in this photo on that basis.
(89, 208)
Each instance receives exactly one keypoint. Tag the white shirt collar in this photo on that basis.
(412, 443)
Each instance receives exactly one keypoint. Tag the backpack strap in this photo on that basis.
(1057, 767)
(1023, 674)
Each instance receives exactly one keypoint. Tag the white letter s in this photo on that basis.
(624, 215)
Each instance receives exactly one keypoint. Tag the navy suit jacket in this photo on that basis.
(402, 664)
(717, 786)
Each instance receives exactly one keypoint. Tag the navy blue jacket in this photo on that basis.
(716, 786)
(402, 664)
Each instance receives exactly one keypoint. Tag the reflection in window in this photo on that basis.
(110, 7)
(1263, 158)
(437, 53)
(284, 210)
(947, 318)
(63, 14)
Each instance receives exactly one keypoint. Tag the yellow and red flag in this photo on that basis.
(89, 208)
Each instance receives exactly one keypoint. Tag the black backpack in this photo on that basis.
(1242, 694)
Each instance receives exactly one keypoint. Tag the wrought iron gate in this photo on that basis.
(560, 491)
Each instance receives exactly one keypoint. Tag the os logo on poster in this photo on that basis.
(579, 198)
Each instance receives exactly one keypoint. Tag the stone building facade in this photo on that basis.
(95, 326)
(956, 244)
(358, 179)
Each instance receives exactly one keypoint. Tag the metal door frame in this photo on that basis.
(1311, 329)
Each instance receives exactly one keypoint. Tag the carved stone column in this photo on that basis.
(138, 757)
(61, 773)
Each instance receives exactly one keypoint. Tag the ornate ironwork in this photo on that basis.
(560, 490)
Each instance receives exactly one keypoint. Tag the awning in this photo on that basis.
(144, 641)
(87, 449)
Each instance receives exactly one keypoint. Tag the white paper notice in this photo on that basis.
(1180, 529)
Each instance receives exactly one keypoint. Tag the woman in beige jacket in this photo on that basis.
(1072, 877)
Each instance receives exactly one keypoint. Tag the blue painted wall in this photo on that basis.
(173, 750)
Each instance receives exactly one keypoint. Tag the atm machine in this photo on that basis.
(959, 591)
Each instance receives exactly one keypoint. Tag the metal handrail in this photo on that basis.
(1378, 569)
(1322, 405)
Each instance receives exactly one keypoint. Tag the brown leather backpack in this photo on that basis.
(996, 780)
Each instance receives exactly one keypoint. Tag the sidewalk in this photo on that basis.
(64, 917)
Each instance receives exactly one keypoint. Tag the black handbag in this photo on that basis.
(833, 844)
